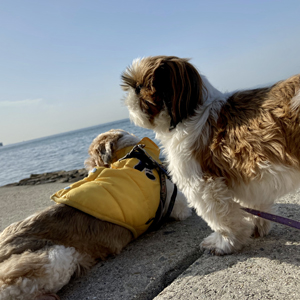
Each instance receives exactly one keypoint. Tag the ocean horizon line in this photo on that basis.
(61, 133)
(63, 151)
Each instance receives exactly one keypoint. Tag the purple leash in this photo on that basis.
(274, 218)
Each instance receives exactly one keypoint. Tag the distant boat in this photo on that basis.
(1, 144)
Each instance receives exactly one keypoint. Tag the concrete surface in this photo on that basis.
(168, 264)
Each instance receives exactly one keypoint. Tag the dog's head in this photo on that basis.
(103, 148)
(162, 91)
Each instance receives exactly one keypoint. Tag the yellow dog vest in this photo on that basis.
(127, 194)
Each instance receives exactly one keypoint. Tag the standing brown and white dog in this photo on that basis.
(39, 255)
(224, 150)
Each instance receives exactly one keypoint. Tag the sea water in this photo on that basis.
(65, 151)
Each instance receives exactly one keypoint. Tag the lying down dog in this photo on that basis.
(94, 218)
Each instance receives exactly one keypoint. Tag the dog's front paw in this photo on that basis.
(181, 210)
(181, 214)
(218, 244)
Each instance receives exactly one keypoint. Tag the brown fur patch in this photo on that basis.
(254, 126)
(28, 264)
(165, 81)
(101, 150)
(67, 226)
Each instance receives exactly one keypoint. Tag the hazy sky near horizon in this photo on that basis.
(61, 60)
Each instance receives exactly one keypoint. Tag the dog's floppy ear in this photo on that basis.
(178, 84)
(106, 153)
(102, 149)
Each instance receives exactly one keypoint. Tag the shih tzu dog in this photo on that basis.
(39, 255)
(224, 151)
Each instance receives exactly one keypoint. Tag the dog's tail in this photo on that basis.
(12, 245)
(26, 275)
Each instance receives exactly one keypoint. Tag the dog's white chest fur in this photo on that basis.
(225, 150)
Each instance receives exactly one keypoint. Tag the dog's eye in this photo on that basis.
(138, 89)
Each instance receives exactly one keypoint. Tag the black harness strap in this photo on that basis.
(160, 217)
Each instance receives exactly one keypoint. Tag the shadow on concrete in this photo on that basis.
(145, 267)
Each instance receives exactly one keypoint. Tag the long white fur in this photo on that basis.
(214, 199)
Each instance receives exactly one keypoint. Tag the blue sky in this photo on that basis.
(61, 60)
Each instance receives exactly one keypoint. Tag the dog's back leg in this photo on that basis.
(33, 275)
